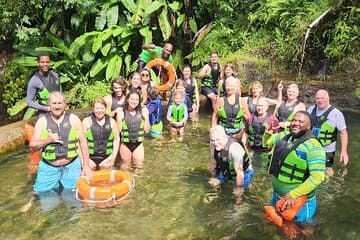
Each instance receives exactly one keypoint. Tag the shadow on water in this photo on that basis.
(172, 200)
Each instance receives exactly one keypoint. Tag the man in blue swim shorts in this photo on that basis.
(58, 134)
(229, 161)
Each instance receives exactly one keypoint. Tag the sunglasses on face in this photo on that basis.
(144, 75)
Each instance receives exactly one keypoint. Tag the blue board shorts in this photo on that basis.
(49, 177)
(248, 176)
(305, 214)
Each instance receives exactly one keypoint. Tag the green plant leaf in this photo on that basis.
(107, 33)
(26, 61)
(175, 6)
(100, 20)
(129, 5)
(117, 31)
(147, 34)
(18, 107)
(57, 42)
(99, 65)
(193, 25)
(153, 7)
(112, 16)
(47, 49)
(113, 68)
(125, 46)
(97, 44)
(164, 24)
(127, 63)
(106, 48)
(139, 12)
(79, 42)
(58, 64)
(180, 19)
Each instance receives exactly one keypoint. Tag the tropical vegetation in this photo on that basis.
(93, 41)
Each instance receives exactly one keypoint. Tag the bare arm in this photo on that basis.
(145, 115)
(36, 141)
(148, 46)
(236, 154)
(204, 71)
(215, 116)
(344, 157)
(84, 151)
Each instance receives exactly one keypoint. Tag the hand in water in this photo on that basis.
(214, 182)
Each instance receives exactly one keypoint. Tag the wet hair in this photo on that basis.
(42, 54)
(132, 91)
(230, 65)
(100, 101)
(256, 84)
(132, 76)
(120, 81)
(153, 93)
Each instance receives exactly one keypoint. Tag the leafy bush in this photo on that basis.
(82, 95)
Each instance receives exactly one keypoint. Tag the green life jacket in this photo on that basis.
(132, 127)
(231, 117)
(288, 165)
(256, 131)
(51, 83)
(286, 113)
(212, 79)
(321, 128)
(225, 166)
(66, 133)
(177, 114)
(100, 139)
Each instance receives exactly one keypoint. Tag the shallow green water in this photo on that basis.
(172, 200)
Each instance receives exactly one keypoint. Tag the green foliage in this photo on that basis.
(14, 83)
(345, 35)
(83, 95)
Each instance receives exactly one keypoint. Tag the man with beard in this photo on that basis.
(297, 166)
(41, 84)
(152, 51)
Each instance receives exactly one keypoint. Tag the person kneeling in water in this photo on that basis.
(229, 160)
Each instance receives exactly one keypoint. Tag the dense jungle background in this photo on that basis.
(93, 41)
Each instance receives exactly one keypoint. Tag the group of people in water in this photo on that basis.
(297, 144)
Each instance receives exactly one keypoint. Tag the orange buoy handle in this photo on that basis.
(170, 72)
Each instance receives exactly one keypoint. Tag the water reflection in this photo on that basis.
(172, 200)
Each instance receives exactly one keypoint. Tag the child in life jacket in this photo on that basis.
(154, 106)
(177, 114)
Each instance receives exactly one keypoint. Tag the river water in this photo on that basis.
(172, 200)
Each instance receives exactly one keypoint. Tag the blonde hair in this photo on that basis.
(178, 93)
(256, 84)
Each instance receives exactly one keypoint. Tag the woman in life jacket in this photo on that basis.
(135, 84)
(116, 99)
(146, 84)
(191, 91)
(229, 71)
(256, 91)
(231, 111)
(102, 135)
(285, 110)
(134, 123)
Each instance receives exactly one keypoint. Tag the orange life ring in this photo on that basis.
(170, 71)
(105, 185)
(279, 212)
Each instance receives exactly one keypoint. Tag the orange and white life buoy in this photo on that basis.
(170, 72)
(104, 186)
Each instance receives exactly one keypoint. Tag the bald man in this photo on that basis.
(229, 160)
(327, 121)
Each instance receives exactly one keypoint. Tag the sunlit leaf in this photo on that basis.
(112, 16)
(129, 5)
(97, 67)
(180, 19)
(113, 67)
(105, 49)
(153, 7)
(193, 26)
(175, 6)
(164, 24)
(97, 44)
